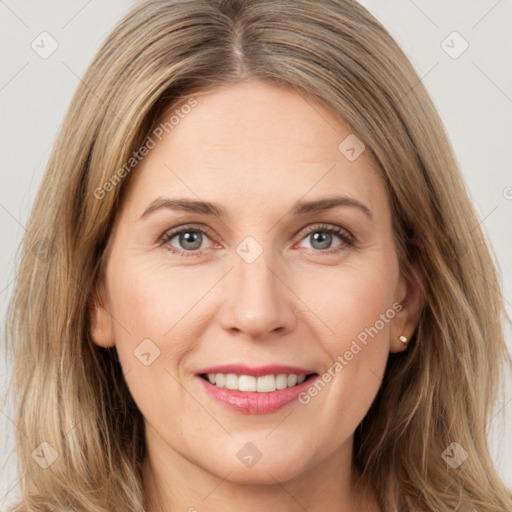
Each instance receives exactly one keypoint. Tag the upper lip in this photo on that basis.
(256, 371)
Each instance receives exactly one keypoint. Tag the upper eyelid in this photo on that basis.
(192, 227)
(326, 226)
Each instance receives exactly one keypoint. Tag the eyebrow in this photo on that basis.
(214, 209)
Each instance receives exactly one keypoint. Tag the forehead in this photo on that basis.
(254, 145)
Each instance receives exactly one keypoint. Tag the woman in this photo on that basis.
(177, 346)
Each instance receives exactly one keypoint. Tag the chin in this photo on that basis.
(262, 473)
(267, 470)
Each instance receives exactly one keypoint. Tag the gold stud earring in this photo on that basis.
(403, 339)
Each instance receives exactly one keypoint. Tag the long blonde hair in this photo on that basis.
(71, 394)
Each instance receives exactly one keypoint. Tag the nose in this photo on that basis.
(257, 302)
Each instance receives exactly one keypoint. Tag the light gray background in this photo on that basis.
(473, 94)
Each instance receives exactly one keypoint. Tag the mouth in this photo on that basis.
(250, 383)
(261, 390)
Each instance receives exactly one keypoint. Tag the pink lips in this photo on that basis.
(254, 402)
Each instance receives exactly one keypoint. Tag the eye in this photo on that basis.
(189, 238)
(321, 237)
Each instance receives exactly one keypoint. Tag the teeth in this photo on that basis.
(231, 381)
(247, 383)
(220, 379)
(282, 381)
(264, 384)
(292, 380)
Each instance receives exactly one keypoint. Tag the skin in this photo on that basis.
(255, 149)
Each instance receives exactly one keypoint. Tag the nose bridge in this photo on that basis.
(256, 301)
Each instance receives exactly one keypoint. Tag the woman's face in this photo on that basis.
(269, 279)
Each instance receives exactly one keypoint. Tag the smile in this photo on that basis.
(250, 390)
(250, 383)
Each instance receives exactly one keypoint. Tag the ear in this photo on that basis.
(101, 321)
(411, 296)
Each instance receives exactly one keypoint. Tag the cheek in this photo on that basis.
(153, 300)
(351, 300)
(355, 307)
(143, 310)
(149, 313)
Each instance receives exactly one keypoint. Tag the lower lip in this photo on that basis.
(256, 403)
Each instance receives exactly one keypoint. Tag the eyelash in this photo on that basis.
(347, 238)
